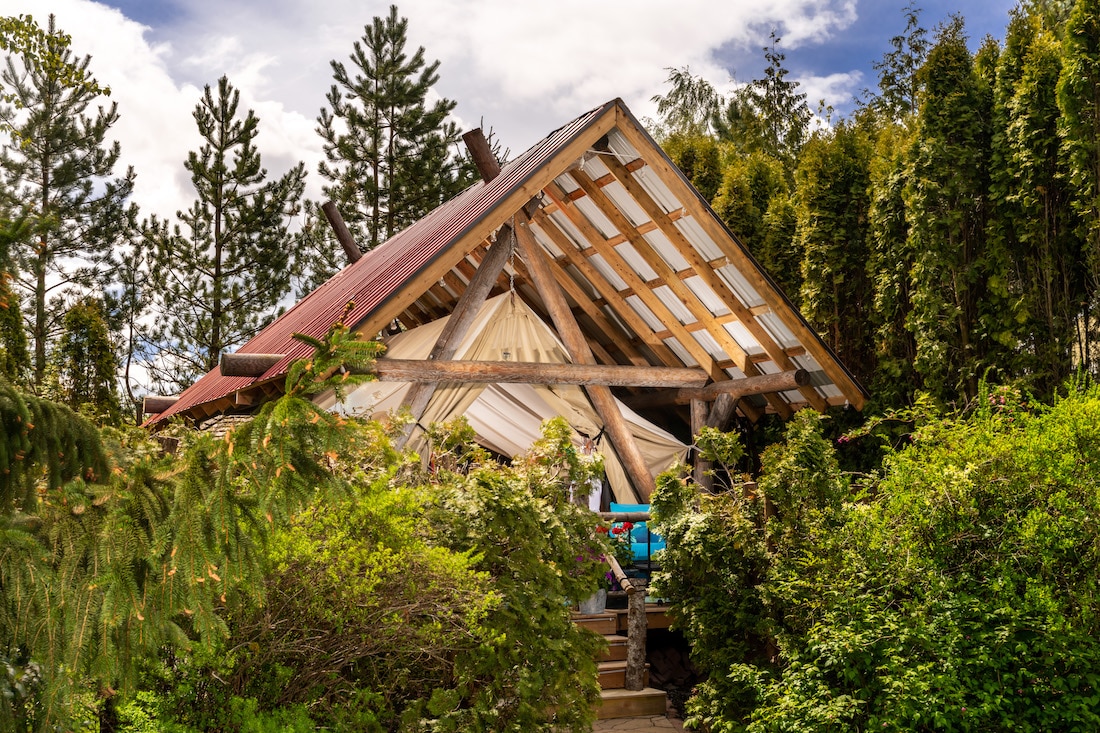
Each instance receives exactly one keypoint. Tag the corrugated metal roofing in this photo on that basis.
(666, 281)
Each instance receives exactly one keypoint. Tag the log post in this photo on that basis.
(247, 365)
(343, 236)
(737, 388)
(636, 625)
(156, 404)
(704, 479)
(577, 347)
(512, 372)
(482, 154)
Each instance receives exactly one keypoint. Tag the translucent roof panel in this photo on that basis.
(668, 252)
(710, 344)
(623, 150)
(675, 306)
(594, 215)
(777, 330)
(636, 262)
(708, 297)
(640, 308)
(657, 190)
(745, 292)
(625, 203)
(744, 339)
(680, 351)
(698, 238)
(608, 272)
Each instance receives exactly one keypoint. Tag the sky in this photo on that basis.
(520, 68)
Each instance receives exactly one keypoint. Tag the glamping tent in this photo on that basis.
(604, 245)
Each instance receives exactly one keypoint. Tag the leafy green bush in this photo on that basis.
(958, 595)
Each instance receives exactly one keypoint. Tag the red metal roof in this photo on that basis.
(368, 283)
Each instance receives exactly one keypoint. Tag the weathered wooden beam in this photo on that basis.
(343, 236)
(760, 384)
(247, 365)
(636, 633)
(156, 404)
(570, 332)
(425, 371)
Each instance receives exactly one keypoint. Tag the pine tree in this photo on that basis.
(225, 271)
(389, 157)
(14, 360)
(58, 172)
(87, 362)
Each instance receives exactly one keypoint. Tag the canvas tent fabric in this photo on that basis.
(507, 417)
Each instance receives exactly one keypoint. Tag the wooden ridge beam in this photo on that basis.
(247, 365)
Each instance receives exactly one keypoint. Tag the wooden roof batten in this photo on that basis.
(619, 297)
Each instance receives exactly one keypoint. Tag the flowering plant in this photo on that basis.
(618, 537)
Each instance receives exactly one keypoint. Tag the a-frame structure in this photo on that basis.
(601, 236)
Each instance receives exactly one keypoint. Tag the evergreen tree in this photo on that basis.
(1079, 101)
(832, 193)
(689, 106)
(898, 82)
(1031, 213)
(388, 151)
(954, 310)
(225, 271)
(889, 263)
(14, 360)
(87, 363)
(58, 172)
(781, 107)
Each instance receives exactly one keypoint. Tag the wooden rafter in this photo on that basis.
(609, 295)
(739, 257)
(538, 264)
(598, 318)
(596, 240)
(699, 266)
(669, 279)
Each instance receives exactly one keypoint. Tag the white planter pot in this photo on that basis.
(596, 603)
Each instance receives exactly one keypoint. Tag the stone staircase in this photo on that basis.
(617, 702)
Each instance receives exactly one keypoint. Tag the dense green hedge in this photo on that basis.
(955, 591)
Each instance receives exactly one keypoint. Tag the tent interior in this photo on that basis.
(507, 417)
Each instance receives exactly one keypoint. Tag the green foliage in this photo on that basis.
(87, 362)
(58, 172)
(833, 200)
(222, 275)
(955, 596)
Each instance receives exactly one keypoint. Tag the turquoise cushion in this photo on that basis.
(629, 507)
(641, 550)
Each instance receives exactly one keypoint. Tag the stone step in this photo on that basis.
(628, 703)
(612, 675)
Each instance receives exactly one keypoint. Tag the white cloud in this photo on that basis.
(525, 68)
